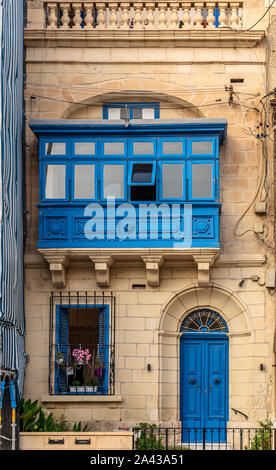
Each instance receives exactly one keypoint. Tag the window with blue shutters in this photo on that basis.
(83, 346)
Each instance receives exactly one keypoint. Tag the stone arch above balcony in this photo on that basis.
(215, 297)
(137, 89)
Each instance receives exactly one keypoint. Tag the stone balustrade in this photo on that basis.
(142, 15)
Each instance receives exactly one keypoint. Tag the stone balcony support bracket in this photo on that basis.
(102, 267)
(57, 265)
(153, 264)
(204, 261)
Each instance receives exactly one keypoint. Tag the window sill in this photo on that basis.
(81, 398)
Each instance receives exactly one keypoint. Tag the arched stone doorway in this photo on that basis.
(216, 298)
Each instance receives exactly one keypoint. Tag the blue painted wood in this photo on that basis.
(61, 221)
(204, 386)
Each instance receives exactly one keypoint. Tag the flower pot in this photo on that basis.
(99, 371)
(72, 389)
(95, 388)
(81, 389)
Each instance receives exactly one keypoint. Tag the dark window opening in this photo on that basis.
(143, 193)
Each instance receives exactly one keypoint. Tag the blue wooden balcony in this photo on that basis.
(141, 184)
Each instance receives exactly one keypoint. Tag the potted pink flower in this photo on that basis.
(81, 356)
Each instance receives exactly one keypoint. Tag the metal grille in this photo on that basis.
(204, 321)
(83, 321)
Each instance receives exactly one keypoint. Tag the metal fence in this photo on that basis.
(155, 438)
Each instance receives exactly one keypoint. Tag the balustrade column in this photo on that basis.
(174, 16)
(77, 15)
(198, 17)
(138, 18)
(210, 18)
(150, 7)
(88, 16)
(101, 12)
(65, 19)
(113, 18)
(234, 19)
(125, 7)
(52, 16)
(222, 16)
(162, 18)
(186, 19)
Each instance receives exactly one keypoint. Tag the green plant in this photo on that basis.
(33, 418)
(92, 383)
(49, 423)
(147, 439)
(60, 355)
(263, 438)
(28, 414)
(77, 427)
(76, 383)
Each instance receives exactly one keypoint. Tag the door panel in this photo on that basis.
(204, 386)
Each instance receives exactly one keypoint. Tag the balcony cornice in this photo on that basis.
(143, 38)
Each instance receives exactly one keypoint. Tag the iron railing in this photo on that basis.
(64, 371)
(217, 439)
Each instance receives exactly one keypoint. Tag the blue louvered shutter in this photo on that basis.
(62, 335)
(104, 348)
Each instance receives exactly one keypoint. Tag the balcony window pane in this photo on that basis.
(84, 183)
(55, 148)
(172, 180)
(84, 148)
(114, 113)
(143, 148)
(142, 173)
(202, 180)
(114, 176)
(114, 148)
(172, 148)
(202, 148)
(55, 187)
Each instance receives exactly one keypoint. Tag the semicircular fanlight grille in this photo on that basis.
(204, 321)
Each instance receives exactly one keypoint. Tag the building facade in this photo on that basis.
(149, 213)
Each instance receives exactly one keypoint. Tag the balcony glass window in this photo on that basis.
(202, 147)
(55, 148)
(114, 181)
(84, 148)
(172, 180)
(84, 181)
(55, 182)
(202, 180)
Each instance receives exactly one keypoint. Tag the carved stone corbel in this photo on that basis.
(57, 266)
(102, 267)
(153, 264)
(204, 262)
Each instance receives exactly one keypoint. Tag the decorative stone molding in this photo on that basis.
(153, 264)
(102, 267)
(57, 265)
(204, 261)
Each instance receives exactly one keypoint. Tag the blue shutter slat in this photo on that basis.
(62, 346)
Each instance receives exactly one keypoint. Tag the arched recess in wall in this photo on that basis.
(214, 297)
(172, 103)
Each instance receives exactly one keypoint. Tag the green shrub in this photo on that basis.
(263, 438)
(147, 439)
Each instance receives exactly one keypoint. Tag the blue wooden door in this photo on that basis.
(204, 386)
